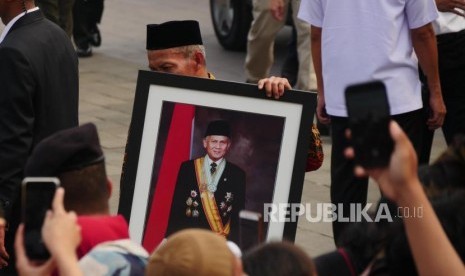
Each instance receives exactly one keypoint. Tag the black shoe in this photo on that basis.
(84, 52)
(95, 37)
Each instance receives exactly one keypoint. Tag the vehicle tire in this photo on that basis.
(231, 21)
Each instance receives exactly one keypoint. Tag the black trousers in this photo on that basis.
(451, 58)
(346, 188)
(86, 15)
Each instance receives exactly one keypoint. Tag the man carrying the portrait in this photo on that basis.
(210, 191)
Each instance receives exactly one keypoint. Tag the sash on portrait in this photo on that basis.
(210, 207)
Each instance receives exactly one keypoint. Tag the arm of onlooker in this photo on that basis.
(315, 32)
(61, 235)
(432, 251)
(424, 43)
(3, 254)
(453, 6)
(25, 266)
(277, 9)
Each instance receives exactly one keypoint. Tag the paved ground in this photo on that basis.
(108, 81)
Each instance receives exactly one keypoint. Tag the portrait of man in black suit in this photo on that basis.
(210, 190)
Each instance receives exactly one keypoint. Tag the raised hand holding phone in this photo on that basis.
(61, 234)
(37, 197)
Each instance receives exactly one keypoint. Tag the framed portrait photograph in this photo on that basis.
(200, 151)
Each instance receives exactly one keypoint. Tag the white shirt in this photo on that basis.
(364, 40)
(13, 21)
(448, 22)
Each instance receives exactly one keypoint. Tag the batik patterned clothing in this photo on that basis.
(120, 257)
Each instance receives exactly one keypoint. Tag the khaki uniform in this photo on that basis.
(260, 44)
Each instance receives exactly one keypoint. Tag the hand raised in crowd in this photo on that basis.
(432, 251)
(3, 254)
(401, 173)
(60, 232)
(453, 6)
(28, 267)
(274, 86)
(61, 235)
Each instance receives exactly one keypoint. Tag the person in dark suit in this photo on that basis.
(210, 191)
(38, 96)
(86, 17)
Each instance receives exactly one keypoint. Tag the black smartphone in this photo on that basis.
(251, 229)
(369, 117)
(37, 196)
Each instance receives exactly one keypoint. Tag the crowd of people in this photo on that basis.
(40, 136)
(399, 248)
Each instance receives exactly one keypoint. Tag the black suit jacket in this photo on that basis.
(232, 181)
(38, 93)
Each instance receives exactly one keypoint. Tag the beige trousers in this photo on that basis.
(260, 44)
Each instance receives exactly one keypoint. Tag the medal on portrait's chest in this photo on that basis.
(226, 204)
(192, 204)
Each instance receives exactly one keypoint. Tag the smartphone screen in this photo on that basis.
(251, 229)
(37, 197)
(369, 117)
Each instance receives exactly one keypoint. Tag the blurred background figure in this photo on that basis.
(290, 68)
(269, 17)
(39, 92)
(87, 14)
(59, 12)
(277, 259)
(449, 28)
(390, 61)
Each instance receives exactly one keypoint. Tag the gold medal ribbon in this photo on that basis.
(209, 205)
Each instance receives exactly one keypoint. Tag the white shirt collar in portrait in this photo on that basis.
(209, 161)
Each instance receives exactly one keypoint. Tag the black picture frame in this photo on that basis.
(155, 90)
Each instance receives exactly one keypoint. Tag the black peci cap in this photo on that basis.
(219, 127)
(66, 150)
(173, 34)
